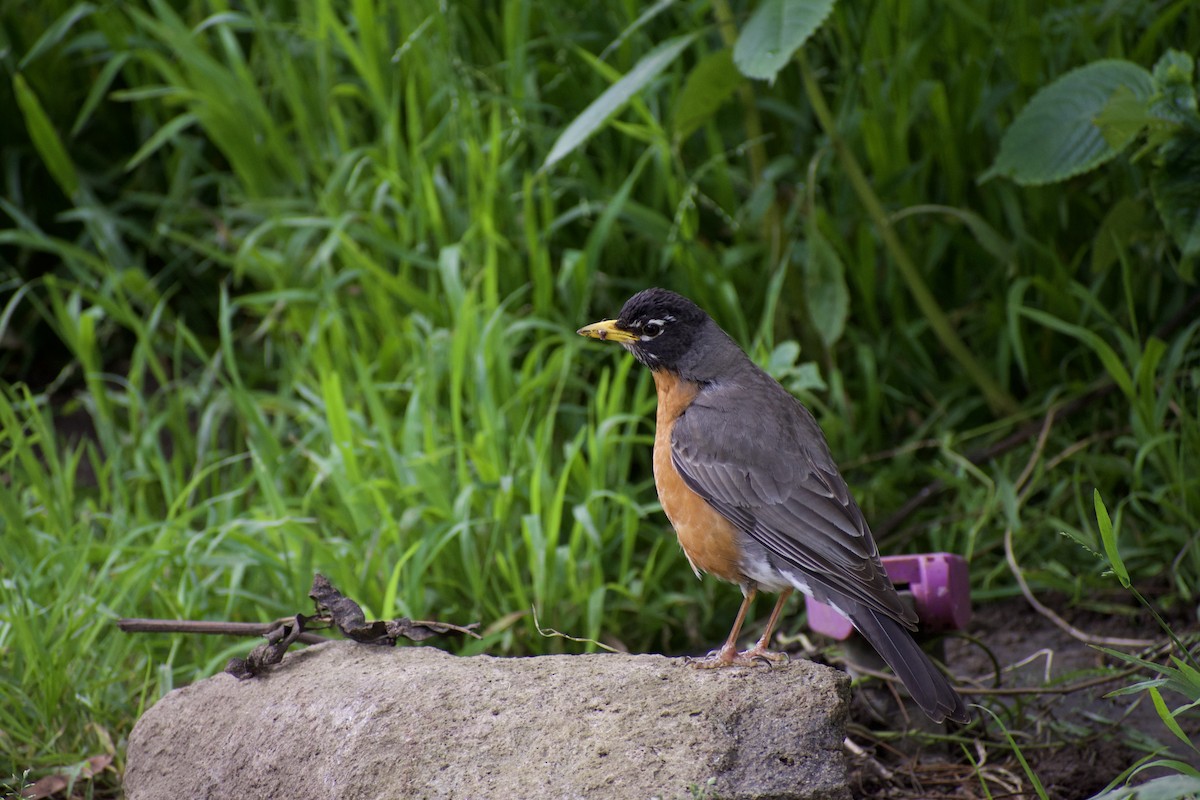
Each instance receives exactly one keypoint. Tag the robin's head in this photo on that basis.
(666, 331)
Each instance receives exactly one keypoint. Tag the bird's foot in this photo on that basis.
(730, 657)
(760, 655)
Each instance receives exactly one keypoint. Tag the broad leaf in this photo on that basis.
(825, 290)
(783, 364)
(1124, 117)
(775, 31)
(1056, 136)
(1175, 183)
(710, 83)
(1175, 99)
(616, 96)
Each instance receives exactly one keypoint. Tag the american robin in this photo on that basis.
(746, 478)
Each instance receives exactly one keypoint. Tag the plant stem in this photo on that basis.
(772, 229)
(997, 398)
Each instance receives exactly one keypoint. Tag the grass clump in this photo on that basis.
(289, 289)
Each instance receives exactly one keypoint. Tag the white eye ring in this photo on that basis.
(652, 328)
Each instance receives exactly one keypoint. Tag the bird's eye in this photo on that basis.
(652, 328)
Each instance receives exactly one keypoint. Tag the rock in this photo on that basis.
(344, 720)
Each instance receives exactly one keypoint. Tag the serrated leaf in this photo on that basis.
(775, 31)
(1175, 184)
(1056, 136)
(1174, 67)
(616, 96)
(1174, 98)
(825, 290)
(710, 83)
(45, 138)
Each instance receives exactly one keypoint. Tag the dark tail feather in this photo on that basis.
(927, 685)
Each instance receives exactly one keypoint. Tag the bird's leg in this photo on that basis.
(760, 649)
(728, 655)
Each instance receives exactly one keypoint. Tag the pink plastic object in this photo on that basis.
(940, 588)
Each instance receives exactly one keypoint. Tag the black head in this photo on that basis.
(665, 330)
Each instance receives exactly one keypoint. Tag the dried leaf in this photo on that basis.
(270, 652)
(418, 630)
(334, 607)
(349, 617)
(62, 781)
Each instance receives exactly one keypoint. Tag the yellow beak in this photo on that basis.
(607, 331)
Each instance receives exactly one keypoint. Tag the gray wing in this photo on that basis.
(772, 475)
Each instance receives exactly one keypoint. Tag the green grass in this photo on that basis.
(286, 290)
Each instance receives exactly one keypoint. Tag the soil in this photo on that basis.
(1076, 742)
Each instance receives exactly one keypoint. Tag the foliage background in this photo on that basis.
(286, 288)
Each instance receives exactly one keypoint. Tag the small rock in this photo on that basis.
(344, 720)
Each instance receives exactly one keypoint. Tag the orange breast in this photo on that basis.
(708, 539)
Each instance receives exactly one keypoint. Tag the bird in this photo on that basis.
(747, 480)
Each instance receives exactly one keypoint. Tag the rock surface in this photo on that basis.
(344, 720)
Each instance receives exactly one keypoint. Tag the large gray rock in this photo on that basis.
(344, 720)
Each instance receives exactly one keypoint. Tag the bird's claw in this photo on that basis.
(754, 657)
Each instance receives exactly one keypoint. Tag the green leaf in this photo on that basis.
(161, 136)
(1109, 539)
(1168, 787)
(1056, 136)
(56, 32)
(1168, 719)
(783, 357)
(616, 96)
(100, 87)
(1124, 220)
(710, 83)
(1188, 678)
(775, 31)
(825, 290)
(1177, 680)
(45, 138)
(1124, 117)
(988, 237)
(783, 365)
(1174, 67)
(1016, 749)
(1108, 357)
(1175, 184)
(1175, 95)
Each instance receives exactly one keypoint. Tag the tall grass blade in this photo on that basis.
(616, 96)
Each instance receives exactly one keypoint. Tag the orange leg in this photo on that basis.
(760, 650)
(728, 655)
